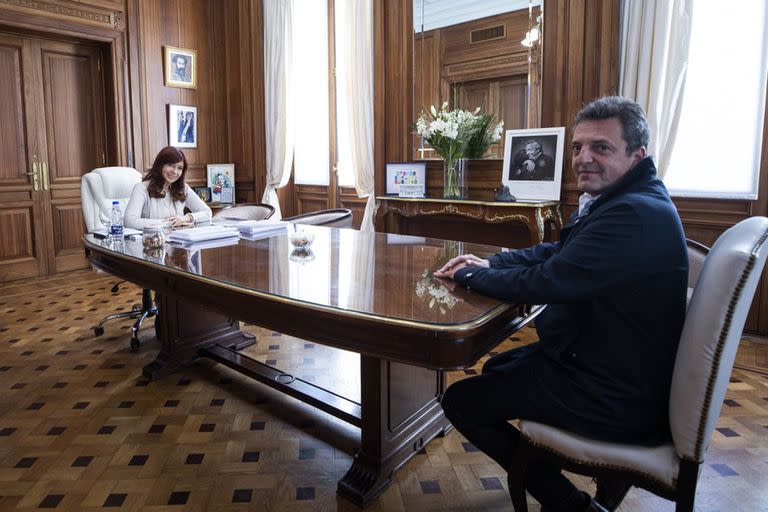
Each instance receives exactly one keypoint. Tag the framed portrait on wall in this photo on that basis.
(533, 163)
(180, 67)
(221, 181)
(182, 126)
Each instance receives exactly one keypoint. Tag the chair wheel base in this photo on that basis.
(98, 331)
(135, 344)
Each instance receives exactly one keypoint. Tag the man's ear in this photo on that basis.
(639, 154)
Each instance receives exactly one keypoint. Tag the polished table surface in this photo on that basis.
(370, 293)
(366, 281)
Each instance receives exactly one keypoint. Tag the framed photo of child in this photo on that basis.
(221, 181)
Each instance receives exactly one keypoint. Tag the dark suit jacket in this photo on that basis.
(616, 288)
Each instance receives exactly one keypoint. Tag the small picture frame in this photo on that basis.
(411, 174)
(203, 193)
(533, 163)
(182, 126)
(180, 67)
(221, 180)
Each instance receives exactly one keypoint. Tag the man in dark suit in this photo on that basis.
(615, 284)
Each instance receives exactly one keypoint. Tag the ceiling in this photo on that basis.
(443, 13)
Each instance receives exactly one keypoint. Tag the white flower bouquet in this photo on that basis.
(456, 134)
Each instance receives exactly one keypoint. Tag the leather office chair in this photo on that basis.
(697, 253)
(711, 333)
(256, 211)
(333, 218)
(98, 189)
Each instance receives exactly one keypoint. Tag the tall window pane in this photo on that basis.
(717, 151)
(310, 47)
(345, 174)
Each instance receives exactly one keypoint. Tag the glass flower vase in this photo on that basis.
(455, 178)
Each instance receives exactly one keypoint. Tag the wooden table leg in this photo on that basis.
(184, 328)
(401, 413)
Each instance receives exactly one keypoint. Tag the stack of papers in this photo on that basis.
(203, 234)
(261, 228)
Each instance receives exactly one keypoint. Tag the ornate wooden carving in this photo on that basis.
(89, 14)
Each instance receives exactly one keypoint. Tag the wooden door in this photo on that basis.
(52, 115)
(22, 239)
(73, 117)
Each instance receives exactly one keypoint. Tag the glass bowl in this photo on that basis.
(301, 239)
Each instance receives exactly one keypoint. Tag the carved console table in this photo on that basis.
(469, 220)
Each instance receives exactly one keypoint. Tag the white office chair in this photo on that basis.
(333, 218)
(98, 189)
(714, 322)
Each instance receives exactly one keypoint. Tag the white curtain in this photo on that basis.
(654, 59)
(278, 97)
(357, 88)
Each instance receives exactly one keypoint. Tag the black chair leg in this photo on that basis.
(148, 309)
(139, 312)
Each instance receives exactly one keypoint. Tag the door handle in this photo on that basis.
(35, 176)
(46, 177)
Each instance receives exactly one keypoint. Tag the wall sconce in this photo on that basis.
(533, 34)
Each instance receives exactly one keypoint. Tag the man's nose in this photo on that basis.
(585, 155)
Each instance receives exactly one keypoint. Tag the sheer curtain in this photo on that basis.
(654, 61)
(354, 32)
(278, 97)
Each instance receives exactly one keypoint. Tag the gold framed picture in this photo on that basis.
(180, 67)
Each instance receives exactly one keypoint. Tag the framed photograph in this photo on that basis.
(180, 67)
(533, 163)
(221, 180)
(182, 126)
(406, 174)
(203, 193)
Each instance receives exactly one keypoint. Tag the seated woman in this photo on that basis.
(162, 195)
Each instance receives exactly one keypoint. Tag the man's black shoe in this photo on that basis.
(610, 492)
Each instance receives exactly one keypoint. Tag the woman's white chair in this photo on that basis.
(98, 189)
(713, 326)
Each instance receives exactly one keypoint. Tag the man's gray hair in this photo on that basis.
(634, 124)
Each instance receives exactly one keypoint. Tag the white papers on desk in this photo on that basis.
(253, 229)
(209, 244)
(202, 234)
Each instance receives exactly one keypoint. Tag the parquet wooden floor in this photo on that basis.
(81, 430)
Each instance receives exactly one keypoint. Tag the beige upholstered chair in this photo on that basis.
(98, 189)
(257, 211)
(713, 326)
(696, 254)
(333, 218)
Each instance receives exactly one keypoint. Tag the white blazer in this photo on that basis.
(143, 210)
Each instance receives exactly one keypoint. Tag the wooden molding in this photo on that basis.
(87, 13)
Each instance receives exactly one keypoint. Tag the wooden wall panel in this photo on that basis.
(13, 140)
(244, 89)
(15, 226)
(193, 25)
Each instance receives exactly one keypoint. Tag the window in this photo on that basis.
(719, 138)
(310, 68)
(313, 139)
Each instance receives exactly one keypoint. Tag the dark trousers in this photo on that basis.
(512, 386)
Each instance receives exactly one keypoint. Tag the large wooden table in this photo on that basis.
(368, 293)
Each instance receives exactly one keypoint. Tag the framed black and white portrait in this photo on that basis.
(180, 67)
(182, 126)
(533, 163)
